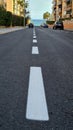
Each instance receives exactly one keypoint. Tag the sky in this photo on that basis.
(38, 7)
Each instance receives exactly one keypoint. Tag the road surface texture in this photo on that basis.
(36, 64)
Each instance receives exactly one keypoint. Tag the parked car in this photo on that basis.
(44, 25)
(58, 25)
(30, 25)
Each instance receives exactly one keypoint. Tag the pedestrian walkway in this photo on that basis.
(7, 30)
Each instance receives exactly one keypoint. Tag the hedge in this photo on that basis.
(2, 16)
(50, 22)
(17, 20)
(8, 19)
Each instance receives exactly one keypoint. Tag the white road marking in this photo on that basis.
(34, 36)
(34, 41)
(35, 50)
(36, 102)
(33, 31)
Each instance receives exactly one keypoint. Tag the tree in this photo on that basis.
(20, 2)
(23, 5)
(27, 20)
(46, 15)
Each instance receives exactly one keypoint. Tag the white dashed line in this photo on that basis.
(34, 41)
(36, 102)
(33, 33)
(34, 36)
(35, 50)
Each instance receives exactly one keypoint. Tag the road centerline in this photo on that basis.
(34, 41)
(36, 102)
(34, 36)
(35, 50)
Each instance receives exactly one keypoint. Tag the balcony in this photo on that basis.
(60, 6)
(69, 7)
(68, 15)
(60, 10)
(68, 2)
(59, 2)
(65, 8)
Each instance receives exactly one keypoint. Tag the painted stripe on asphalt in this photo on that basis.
(34, 41)
(34, 36)
(36, 102)
(35, 50)
(33, 31)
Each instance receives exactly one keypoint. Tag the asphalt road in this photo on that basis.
(55, 58)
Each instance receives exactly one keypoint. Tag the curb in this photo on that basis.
(16, 29)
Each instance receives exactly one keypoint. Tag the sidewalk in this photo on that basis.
(7, 30)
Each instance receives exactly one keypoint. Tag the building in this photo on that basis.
(3, 3)
(62, 9)
(18, 7)
(14, 6)
(9, 5)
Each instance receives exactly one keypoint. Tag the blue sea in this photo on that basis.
(38, 22)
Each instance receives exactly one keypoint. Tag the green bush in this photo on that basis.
(17, 20)
(50, 22)
(8, 19)
(2, 16)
